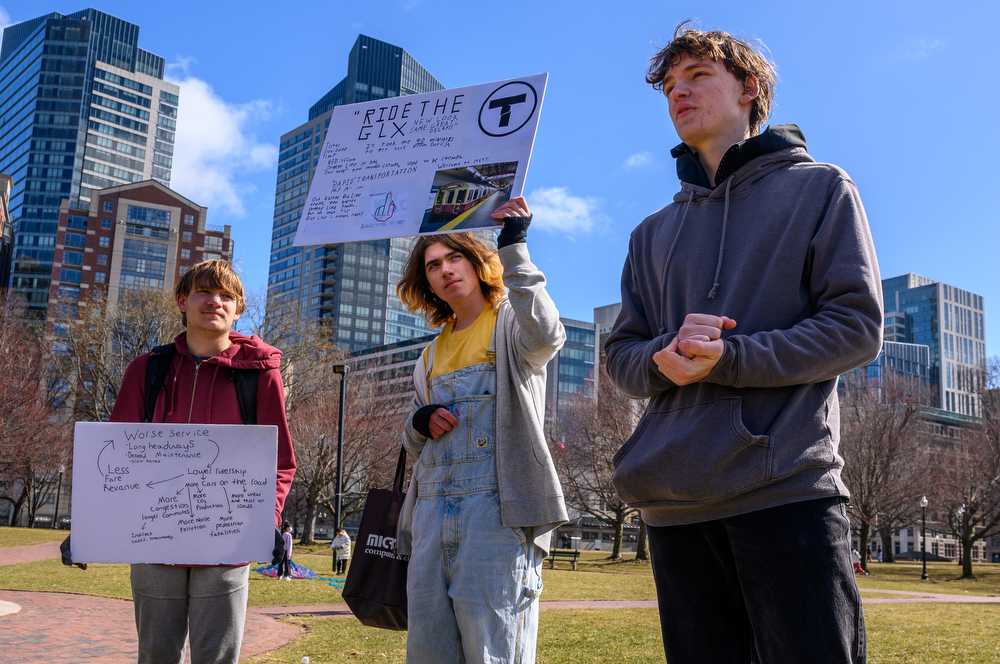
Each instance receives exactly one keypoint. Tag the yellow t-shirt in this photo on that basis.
(464, 348)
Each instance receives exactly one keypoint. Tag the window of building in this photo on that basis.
(189, 220)
(70, 275)
(105, 241)
(185, 253)
(213, 243)
(75, 240)
(100, 277)
(109, 206)
(186, 236)
(102, 259)
(107, 223)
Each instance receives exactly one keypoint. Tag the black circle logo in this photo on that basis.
(508, 108)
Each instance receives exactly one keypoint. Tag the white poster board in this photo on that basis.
(437, 162)
(197, 494)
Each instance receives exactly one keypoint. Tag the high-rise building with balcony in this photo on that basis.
(82, 108)
(350, 286)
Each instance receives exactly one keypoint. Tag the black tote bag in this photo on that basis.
(375, 589)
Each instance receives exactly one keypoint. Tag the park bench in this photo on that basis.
(563, 554)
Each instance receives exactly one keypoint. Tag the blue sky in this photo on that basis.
(904, 96)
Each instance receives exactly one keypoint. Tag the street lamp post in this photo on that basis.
(923, 535)
(344, 370)
(55, 515)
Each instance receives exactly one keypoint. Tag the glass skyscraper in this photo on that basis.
(82, 108)
(950, 321)
(572, 373)
(351, 286)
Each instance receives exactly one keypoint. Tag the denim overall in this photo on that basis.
(472, 584)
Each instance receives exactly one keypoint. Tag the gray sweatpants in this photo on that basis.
(169, 599)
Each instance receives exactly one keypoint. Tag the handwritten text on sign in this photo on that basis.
(173, 493)
(438, 162)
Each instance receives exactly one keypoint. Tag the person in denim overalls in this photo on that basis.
(473, 582)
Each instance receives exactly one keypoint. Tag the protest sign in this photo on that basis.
(430, 163)
(173, 493)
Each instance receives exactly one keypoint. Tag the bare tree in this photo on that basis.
(32, 443)
(970, 486)
(95, 348)
(592, 434)
(882, 453)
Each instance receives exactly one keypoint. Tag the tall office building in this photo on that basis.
(950, 321)
(83, 108)
(572, 373)
(349, 285)
(6, 232)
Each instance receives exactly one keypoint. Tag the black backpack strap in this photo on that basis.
(156, 374)
(245, 382)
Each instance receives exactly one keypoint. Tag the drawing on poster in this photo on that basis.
(463, 198)
(197, 494)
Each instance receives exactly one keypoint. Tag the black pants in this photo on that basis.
(285, 568)
(341, 566)
(769, 587)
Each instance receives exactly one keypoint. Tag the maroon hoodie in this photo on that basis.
(206, 395)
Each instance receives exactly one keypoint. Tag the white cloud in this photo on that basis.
(216, 147)
(638, 160)
(556, 209)
(918, 49)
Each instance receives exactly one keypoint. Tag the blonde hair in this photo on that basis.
(212, 274)
(415, 291)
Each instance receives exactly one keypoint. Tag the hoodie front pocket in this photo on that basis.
(695, 453)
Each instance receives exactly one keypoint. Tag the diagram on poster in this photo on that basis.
(196, 494)
(437, 162)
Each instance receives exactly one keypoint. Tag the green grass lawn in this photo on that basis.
(25, 536)
(948, 634)
(942, 578)
(898, 633)
(596, 579)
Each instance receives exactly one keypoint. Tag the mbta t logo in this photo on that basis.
(508, 108)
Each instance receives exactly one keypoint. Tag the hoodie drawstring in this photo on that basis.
(677, 236)
(722, 244)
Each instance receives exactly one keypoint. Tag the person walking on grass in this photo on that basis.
(341, 547)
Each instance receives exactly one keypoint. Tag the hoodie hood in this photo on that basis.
(771, 140)
(244, 353)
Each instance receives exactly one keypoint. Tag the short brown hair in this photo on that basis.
(737, 56)
(415, 291)
(212, 274)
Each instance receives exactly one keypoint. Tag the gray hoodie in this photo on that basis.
(782, 245)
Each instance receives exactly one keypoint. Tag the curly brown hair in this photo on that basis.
(415, 291)
(737, 56)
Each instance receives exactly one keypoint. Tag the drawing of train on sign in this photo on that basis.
(457, 197)
(463, 198)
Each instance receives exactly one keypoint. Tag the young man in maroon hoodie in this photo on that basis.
(199, 388)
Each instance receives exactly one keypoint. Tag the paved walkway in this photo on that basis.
(60, 628)
(14, 555)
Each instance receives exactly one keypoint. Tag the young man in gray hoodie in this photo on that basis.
(742, 301)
